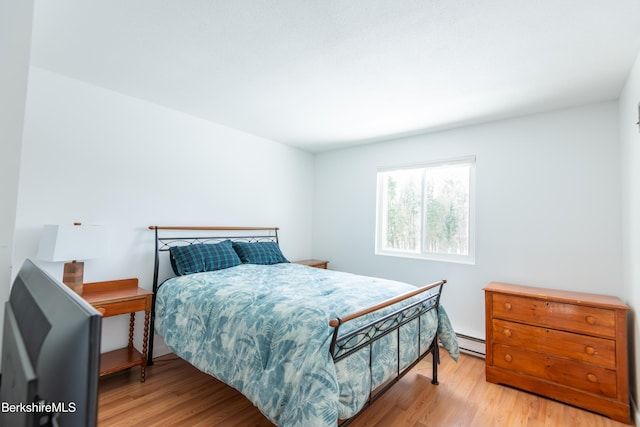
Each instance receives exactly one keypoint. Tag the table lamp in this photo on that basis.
(71, 243)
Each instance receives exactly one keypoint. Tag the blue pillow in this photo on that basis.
(264, 253)
(197, 258)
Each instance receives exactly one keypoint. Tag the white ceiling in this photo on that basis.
(321, 74)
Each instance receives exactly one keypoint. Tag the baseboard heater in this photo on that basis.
(471, 345)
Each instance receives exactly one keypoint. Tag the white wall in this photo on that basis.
(630, 161)
(98, 157)
(15, 44)
(548, 207)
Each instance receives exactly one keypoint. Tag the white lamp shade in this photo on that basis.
(72, 242)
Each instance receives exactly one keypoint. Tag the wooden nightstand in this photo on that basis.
(318, 263)
(121, 297)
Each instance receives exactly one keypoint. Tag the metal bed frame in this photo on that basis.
(341, 346)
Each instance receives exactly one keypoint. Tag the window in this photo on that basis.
(427, 211)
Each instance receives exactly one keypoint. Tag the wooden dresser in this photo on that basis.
(568, 346)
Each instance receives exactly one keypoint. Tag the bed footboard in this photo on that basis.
(364, 336)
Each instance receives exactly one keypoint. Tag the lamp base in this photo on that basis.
(73, 276)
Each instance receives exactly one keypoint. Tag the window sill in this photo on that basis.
(456, 259)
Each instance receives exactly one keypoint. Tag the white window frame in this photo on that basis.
(422, 254)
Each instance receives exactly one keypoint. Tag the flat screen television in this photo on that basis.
(50, 354)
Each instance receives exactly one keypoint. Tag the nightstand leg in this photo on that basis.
(145, 340)
(132, 321)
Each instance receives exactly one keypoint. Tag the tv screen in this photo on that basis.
(50, 354)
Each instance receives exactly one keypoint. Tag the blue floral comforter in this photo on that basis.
(265, 331)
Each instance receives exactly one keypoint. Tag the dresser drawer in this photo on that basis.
(570, 317)
(121, 307)
(599, 351)
(583, 376)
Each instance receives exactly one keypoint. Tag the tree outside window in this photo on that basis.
(426, 211)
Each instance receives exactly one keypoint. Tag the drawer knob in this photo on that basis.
(507, 332)
(592, 378)
(507, 305)
(591, 320)
(590, 350)
(102, 310)
(508, 358)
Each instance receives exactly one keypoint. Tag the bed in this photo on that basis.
(308, 346)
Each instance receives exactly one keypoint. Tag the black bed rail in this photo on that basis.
(366, 335)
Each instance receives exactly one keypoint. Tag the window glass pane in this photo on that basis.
(402, 209)
(427, 211)
(447, 209)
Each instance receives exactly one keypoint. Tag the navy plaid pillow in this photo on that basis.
(259, 253)
(197, 258)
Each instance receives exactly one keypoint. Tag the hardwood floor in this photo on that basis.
(176, 393)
